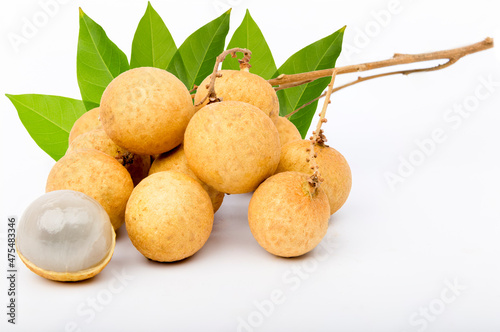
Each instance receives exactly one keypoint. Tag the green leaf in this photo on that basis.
(48, 119)
(153, 45)
(316, 56)
(195, 58)
(98, 61)
(249, 36)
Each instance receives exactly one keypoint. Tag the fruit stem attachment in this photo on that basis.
(318, 138)
(126, 158)
(244, 65)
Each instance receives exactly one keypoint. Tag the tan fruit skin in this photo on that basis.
(169, 216)
(146, 110)
(287, 130)
(240, 85)
(137, 165)
(175, 160)
(285, 218)
(98, 175)
(88, 121)
(332, 166)
(232, 146)
(70, 276)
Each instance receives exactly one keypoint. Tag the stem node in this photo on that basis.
(244, 65)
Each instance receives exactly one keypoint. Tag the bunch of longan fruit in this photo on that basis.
(161, 163)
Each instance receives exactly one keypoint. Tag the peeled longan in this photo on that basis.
(175, 160)
(169, 216)
(65, 235)
(88, 121)
(287, 130)
(240, 85)
(332, 166)
(137, 165)
(286, 216)
(99, 176)
(232, 146)
(146, 110)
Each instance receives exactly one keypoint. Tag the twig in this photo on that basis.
(318, 138)
(244, 65)
(363, 79)
(452, 55)
(305, 105)
(403, 72)
(290, 85)
(195, 87)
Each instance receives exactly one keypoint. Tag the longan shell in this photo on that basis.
(240, 85)
(232, 146)
(70, 276)
(169, 216)
(287, 130)
(175, 160)
(98, 175)
(333, 167)
(146, 110)
(137, 165)
(286, 217)
(87, 122)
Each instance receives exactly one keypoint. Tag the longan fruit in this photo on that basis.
(287, 216)
(232, 146)
(88, 121)
(287, 130)
(65, 235)
(175, 160)
(99, 176)
(332, 166)
(169, 216)
(240, 85)
(136, 165)
(146, 110)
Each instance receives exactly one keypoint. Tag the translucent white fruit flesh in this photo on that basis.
(65, 231)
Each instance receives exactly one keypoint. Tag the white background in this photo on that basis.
(391, 253)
